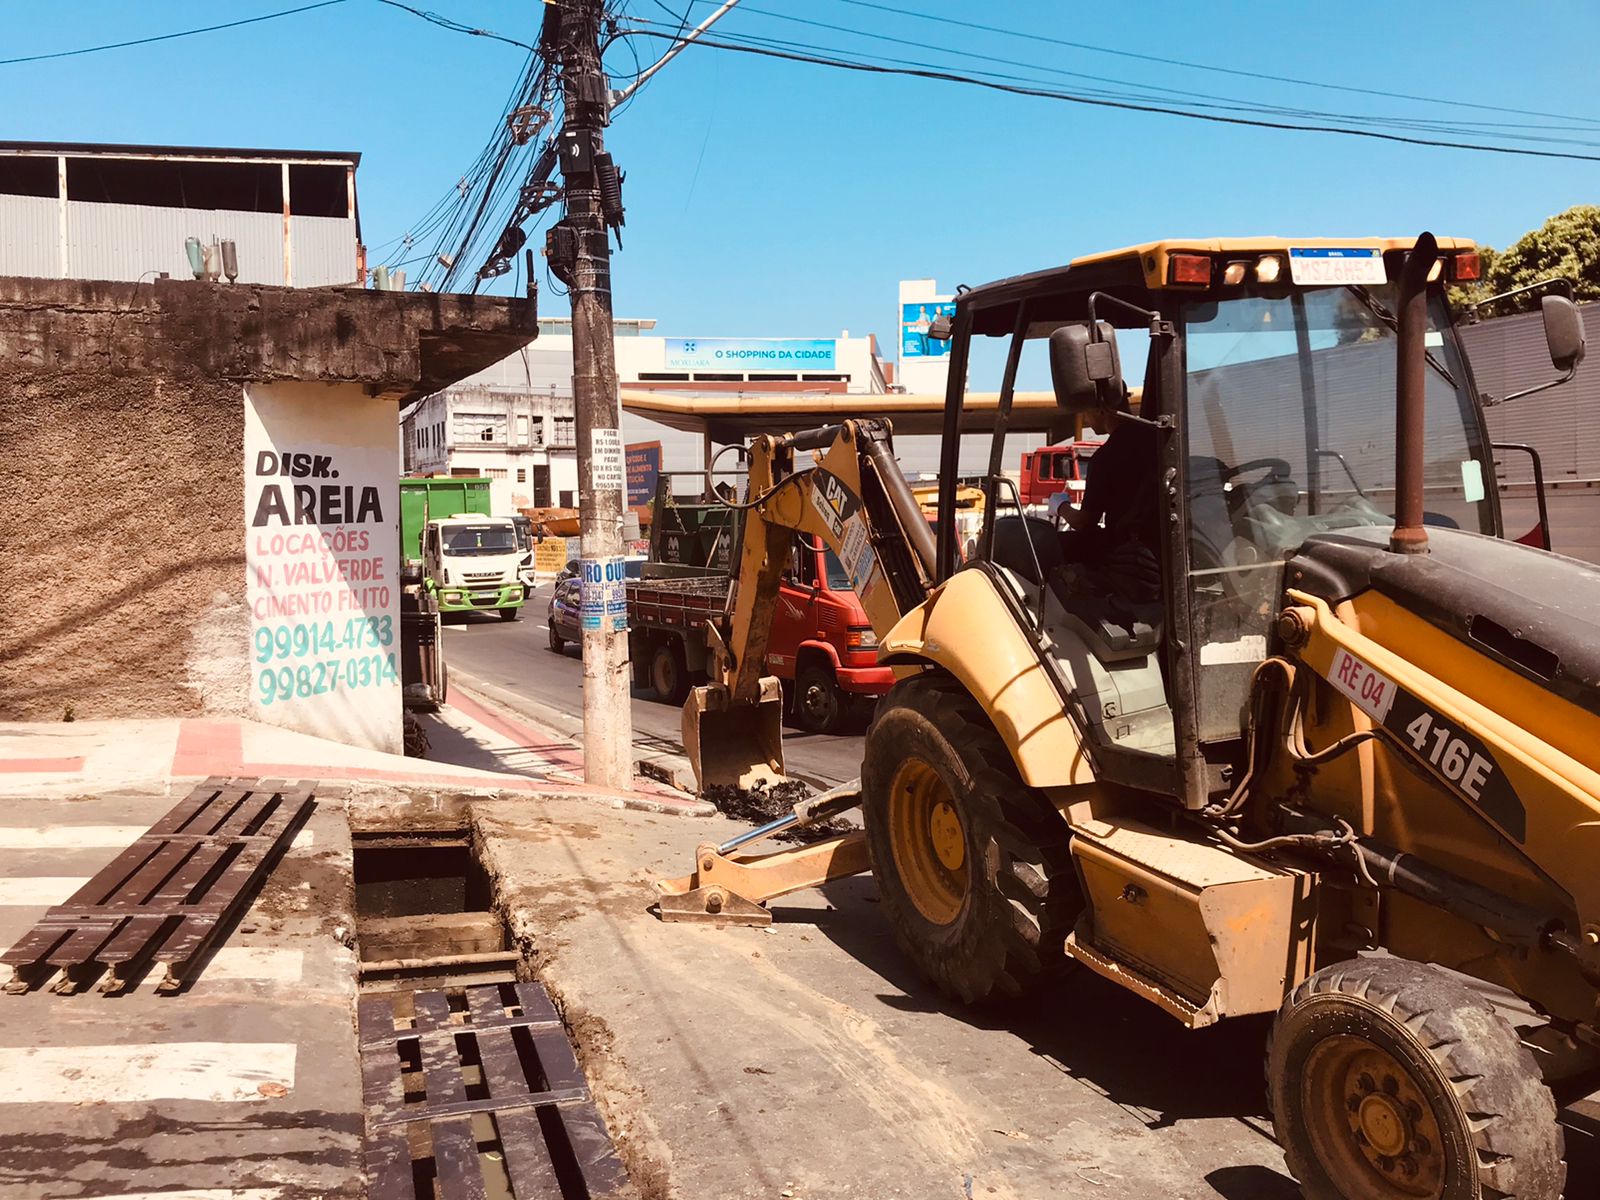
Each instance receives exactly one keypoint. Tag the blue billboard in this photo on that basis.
(751, 354)
(643, 461)
(915, 320)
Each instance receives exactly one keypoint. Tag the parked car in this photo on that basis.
(562, 615)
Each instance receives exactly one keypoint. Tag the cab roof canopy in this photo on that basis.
(1139, 275)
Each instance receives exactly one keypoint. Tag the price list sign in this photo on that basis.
(322, 562)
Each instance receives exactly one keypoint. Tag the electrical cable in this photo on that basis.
(434, 18)
(1203, 100)
(167, 37)
(1123, 105)
(1194, 66)
(1054, 70)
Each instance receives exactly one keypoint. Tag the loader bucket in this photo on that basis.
(730, 744)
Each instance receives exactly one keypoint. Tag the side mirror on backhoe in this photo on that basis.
(1085, 368)
(1563, 332)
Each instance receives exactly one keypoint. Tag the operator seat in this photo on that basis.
(1012, 536)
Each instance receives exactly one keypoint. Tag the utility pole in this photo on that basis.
(580, 252)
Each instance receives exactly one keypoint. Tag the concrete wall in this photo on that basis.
(125, 560)
(133, 420)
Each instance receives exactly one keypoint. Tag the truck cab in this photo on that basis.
(1055, 475)
(822, 646)
(473, 562)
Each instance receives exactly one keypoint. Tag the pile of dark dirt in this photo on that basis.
(761, 803)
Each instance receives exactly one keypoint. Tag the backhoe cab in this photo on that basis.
(1292, 730)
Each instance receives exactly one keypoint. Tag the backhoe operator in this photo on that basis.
(1120, 557)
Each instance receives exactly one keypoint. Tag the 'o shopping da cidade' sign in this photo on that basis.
(751, 354)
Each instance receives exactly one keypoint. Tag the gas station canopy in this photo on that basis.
(730, 418)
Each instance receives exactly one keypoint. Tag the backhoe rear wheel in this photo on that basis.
(1389, 1080)
(973, 866)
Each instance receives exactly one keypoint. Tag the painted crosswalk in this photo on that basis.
(38, 891)
(216, 1072)
(261, 1033)
(93, 837)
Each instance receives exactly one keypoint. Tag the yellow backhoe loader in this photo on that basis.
(1297, 731)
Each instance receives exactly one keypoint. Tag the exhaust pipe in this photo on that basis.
(1410, 536)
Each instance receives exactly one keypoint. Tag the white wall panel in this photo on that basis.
(30, 236)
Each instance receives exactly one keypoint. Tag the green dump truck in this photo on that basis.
(469, 558)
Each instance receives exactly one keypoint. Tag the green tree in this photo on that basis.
(1568, 245)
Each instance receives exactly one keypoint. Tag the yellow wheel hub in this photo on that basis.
(1382, 1124)
(949, 841)
(929, 841)
(1370, 1122)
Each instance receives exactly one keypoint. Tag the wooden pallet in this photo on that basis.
(170, 895)
(481, 1077)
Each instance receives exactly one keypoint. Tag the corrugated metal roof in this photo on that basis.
(1508, 354)
(126, 149)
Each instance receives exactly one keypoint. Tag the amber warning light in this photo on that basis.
(1192, 269)
(1468, 266)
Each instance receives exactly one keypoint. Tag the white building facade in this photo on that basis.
(514, 423)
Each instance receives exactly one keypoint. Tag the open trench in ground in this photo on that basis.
(434, 952)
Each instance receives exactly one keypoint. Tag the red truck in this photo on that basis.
(821, 647)
(1054, 470)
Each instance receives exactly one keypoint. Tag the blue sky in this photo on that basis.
(769, 198)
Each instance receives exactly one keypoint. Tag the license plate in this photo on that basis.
(1329, 266)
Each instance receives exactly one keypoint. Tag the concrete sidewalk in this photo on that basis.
(474, 746)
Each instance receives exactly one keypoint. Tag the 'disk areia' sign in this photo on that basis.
(322, 558)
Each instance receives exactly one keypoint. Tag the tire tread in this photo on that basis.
(1510, 1113)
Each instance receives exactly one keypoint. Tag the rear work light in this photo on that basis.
(1193, 270)
(1233, 274)
(1467, 266)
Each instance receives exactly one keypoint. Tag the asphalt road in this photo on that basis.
(514, 658)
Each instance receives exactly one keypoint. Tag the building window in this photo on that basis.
(538, 431)
(522, 431)
(566, 499)
(541, 486)
(479, 427)
(566, 431)
(522, 474)
(495, 473)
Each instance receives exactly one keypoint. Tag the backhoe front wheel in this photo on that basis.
(1389, 1080)
(973, 866)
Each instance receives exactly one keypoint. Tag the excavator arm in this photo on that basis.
(857, 501)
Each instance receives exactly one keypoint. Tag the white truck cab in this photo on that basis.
(473, 563)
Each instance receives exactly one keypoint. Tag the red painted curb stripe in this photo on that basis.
(562, 754)
(524, 736)
(209, 748)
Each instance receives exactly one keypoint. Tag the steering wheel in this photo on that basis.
(1278, 467)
